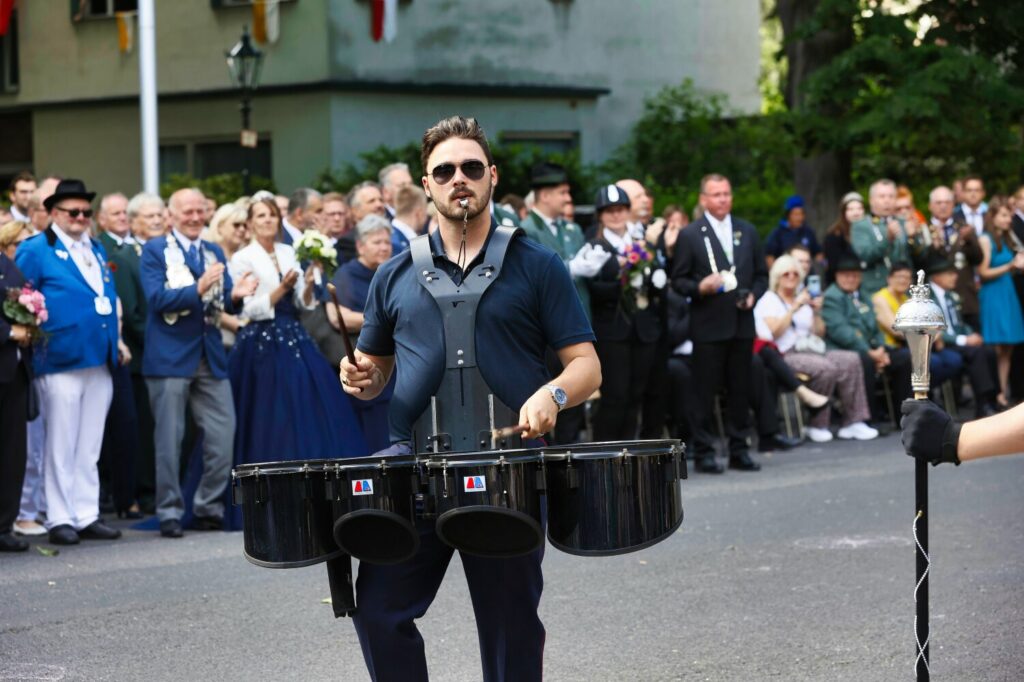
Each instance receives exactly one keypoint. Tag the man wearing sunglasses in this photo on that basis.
(524, 302)
(70, 270)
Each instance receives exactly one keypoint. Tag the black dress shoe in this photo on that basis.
(97, 530)
(63, 535)
(171, 528)
(777, 441)
(707, 464)
(743, 462)
(208, 523)
(9, 542)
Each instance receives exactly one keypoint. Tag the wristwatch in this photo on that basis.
(560, 397)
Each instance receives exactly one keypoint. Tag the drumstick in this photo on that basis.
(498, 434)
(333, 291)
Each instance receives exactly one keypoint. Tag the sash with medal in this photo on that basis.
(180, 276)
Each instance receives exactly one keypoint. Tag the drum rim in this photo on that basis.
(613, 552)
(445, 463)
(291, 564)
(294, 466)
(459, 511)
(407, 463)
(614, 449)
(404, 522)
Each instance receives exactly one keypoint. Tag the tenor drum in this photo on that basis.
(374, 501)
(287, 521)
(613, 497)
(488, 503)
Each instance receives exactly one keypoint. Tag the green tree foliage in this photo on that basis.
(684, 134)
(922, 96)
(223, 188)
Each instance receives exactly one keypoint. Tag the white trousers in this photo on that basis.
(75, 405)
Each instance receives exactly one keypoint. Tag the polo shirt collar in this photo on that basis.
(437, 247)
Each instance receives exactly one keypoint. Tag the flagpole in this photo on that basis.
(147, 97)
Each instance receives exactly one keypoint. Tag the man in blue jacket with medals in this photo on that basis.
(73, 367)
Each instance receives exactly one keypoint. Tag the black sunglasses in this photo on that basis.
(75, 212)
(443, 173)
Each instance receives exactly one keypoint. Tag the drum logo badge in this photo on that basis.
(362, 487)
(474, 484)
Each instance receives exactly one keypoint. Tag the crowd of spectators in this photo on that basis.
(185, 334)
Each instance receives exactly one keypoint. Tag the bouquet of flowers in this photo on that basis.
(640, 271)
(26, 306)
(314, 247)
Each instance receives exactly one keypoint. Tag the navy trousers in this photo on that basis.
(505, 594)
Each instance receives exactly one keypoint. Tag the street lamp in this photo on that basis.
(244, 62)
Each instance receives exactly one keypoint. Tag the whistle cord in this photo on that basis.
(922, 654)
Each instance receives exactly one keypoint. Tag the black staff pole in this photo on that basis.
(920, 319)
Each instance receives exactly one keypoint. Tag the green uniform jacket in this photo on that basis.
(566, 244)
(849, 324)
(870, 242)
(128, 283)
(505, 217)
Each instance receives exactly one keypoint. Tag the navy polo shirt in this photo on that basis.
(530, 306)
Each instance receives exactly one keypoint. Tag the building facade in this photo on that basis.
(559, 73)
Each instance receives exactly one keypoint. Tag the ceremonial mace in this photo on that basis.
(920, 319)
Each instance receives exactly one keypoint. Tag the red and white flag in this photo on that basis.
(6, 7)
(384, 20)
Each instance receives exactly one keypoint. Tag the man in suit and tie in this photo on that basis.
(187, 288)
(335, 219)
(70, 269)
(956, 241)
(961, 338)
(392, 178)
(719, 264)
(305, 211)
(410, 217)
(121, 439)
(972, 210)
(544, 224)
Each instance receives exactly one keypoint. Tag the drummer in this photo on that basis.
(531, 305)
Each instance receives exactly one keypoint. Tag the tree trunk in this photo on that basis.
(822, 177)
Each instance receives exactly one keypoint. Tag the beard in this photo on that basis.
(478, 203)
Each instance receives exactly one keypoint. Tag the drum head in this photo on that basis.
(490, 531)
(376, 536)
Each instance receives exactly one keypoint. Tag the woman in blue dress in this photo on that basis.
(373, 246)
(288, 400)
(1001, 322)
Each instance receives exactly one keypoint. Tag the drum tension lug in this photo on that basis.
(572, 477)
(261, 487)
(236, 490)
(307, 483)
(443, 441)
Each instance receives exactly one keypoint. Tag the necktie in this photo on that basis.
(951, 313)
(193, 257)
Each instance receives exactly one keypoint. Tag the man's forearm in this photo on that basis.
(1000, 434)
(579, 379)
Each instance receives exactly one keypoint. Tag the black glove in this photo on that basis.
(928, 432)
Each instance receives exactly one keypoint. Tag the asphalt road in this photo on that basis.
(804, 571)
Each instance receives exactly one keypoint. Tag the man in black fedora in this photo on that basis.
(70, 269)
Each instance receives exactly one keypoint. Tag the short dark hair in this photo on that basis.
(23, 176)
(798, 247)
(454, 126)
(973, 176)
(900, 266)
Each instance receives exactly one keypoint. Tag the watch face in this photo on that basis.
(561, 397)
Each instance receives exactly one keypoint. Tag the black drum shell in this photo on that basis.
(613, 498)
(287, 521)
(514, 484)
(390, 507)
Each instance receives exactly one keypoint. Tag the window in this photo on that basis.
(206, 158)
(9, 56)
(550, 141)
(101, 9)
